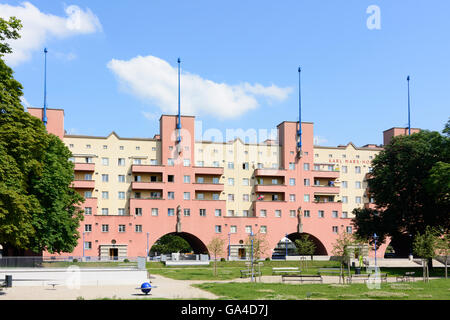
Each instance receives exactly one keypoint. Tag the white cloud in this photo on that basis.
(318, 140)
(154, 80)
(38, 27)
(149, 115)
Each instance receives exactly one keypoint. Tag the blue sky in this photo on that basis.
(242, 57)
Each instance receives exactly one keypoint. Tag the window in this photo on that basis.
(105, 195)
(202, 212)
(274, 165)
(121, 148)
(230, 213)
(121, 211)
(344, 199)
(105, 161)
(170, 178)
(344, 184)
(72, 159)
(218, 229)
(248, 229)
(316, 167)
(200, 196)
(230, 197)
(292, 181)
(245, 197)
(291, 165)
(154, 212)
(153, 162)
(138, 228)
(88, 176)
(71, 145)
(358, 184)
(344, 169)
(216, 164)
(138, 148)
(200, 163)
(274, 181)
(330, 168)
(306, 182)
(87, 245)
(306, 166)
(344, 214)
(187, 212)
(292, 197)
(357, 156)
(121, 228)
(137, 195)
(260, 165)
(245, 213)
(348, 229)
(233, 229)
(138, 211)
(263, 213)
(321, 214)
(138, 179)
(245, 166)
(186, 162)
(88, 146)
(230, 165)
(187, 179)
(105, 211)
(306, 198)
(292, 213)
(121, 195)
(334, 214)
(137, 161)
(187, 196)
(263, 229)
(170, 195)
(170, 212)
(218, 212)
(215, 196)
(121, 178)
(105, 228)
(88, 211)
(215, 180)
(170, 162)
(88, 160)
(87, 227)
(245, 182)
(306, 214)
(278, 213)
(275, 197)
(357, 169)
(358, 199)
(335, 229)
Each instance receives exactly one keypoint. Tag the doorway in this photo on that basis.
(241, 253)
(113, 253)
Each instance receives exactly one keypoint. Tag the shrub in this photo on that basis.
(126, 260)
(75, 260)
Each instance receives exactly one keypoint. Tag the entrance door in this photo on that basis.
(241, 253)
(113, 253)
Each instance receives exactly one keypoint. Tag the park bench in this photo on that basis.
(301, 278)
(54, 284)
(248, 273)
(408, 276)
(286, 270)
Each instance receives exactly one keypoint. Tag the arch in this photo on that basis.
(402, 246)
(196, 244)
(280, 249)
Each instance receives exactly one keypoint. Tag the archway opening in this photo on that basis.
(287, 246)
(399, 247)
(181, 242)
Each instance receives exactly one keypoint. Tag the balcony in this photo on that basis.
(326, 174)
(83, 184)
(84, 167)
(216, 171)
(270, 188)
(270, 173)
(147, 185)
(325, 190)
(147, 169)
(218, 187)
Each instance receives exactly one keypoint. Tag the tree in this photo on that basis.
(425, 246)
(215, 247)
(37, 207)
(305, 246)
(443, 249)
(342, 249)
(409, 183)
(170, 243)
(260, 245)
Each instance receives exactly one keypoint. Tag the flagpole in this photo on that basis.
(299, 133)
(44, 116)
(179, 103)
(409, 113)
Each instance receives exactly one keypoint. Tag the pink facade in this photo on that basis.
(294, 170)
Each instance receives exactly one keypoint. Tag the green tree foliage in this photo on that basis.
(170, 244)
(305, 246)
(410, 186)
(425, 246)
(216, 247)
(260, 245)
(37, 207)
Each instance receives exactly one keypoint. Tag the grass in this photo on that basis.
(434, 290)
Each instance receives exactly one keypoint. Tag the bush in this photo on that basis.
(223, 259)
(267, 259)
(126, 260)
(75, 260)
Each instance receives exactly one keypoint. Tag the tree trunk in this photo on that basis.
(430, 264)
(446, 258)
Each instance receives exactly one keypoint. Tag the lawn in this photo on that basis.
(434, 290)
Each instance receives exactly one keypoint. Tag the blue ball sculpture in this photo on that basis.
(146, 287)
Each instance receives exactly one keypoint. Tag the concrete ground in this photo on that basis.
(165, 288)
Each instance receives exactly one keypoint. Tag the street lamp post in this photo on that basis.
(83, 243)
(286, 242)
(375, 237)
(251, 235)
(146, 252)
(229, 243)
